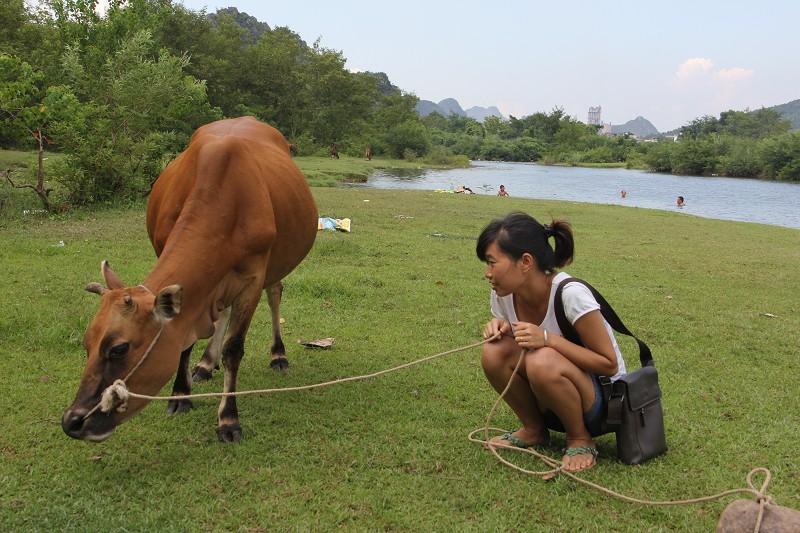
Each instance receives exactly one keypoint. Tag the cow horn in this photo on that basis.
(112, 280)
(95, 288)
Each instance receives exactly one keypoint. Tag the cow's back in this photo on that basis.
(236, 179)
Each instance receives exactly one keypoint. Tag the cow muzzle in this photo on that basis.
(97, 427)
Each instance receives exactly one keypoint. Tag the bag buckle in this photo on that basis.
(615, 401)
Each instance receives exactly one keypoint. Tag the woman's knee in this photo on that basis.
(495, 355)
(544, 366)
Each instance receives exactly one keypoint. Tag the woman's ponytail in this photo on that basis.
(564, 248)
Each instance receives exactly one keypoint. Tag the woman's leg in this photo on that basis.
(498, 359)
(569, 392)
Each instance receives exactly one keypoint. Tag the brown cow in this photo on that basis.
(368, 154)
(334, 152)
(293, 149)
(232, 215)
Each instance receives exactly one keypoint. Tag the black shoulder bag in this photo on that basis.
(634, 400)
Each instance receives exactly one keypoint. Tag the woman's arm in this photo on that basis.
(597, 357)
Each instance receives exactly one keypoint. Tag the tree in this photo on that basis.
(143, 112)
(700, 127)
(339, 101)
(780, 156)
(408, 136)
(494, 125)
(275, 87)
(12, 18)
(30, 110)
(753, 124)
(695, 156)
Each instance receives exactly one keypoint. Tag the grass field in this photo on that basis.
(716, 301)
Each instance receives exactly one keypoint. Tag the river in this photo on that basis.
(747, 200)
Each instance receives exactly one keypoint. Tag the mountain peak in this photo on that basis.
(450, 106)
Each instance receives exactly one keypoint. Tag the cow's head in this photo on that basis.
(118, 338)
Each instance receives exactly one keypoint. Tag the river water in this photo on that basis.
(747, 200)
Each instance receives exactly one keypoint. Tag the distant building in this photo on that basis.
(594, 116)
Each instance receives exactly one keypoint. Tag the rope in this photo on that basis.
(118, 393)
(760, 495)
(119, 390)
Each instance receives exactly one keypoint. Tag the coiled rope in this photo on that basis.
(557, 468)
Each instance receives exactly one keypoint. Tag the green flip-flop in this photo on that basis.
(515, 441)
(579, 450)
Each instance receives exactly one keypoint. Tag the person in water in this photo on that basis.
(680, 201)
(557, 385)
(502, 191)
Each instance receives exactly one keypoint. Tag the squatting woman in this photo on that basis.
(557, 385)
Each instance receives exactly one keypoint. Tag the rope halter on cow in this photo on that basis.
(117, 393)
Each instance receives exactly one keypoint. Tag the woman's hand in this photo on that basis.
(496, 328)
(529, 336)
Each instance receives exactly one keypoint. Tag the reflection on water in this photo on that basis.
(404, 173)
(765, 202)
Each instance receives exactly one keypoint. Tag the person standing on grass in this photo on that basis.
(557, 385)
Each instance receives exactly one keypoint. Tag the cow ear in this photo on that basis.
(95, 288)
(112, 280)
(168, 303)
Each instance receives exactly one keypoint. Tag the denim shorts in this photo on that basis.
(593, 418)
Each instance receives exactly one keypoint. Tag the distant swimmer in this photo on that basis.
(502, 191)
(680, 201)
(624, 193)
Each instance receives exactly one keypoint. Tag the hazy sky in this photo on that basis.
(669, 62)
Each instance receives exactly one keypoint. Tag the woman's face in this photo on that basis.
(504, 273)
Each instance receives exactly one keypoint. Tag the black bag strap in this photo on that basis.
(645, 357)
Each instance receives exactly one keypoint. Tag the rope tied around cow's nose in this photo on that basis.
(119, 390)
(114, 393)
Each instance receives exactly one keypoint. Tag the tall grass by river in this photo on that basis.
(715, 300)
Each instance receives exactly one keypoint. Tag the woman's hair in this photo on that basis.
(519, 233)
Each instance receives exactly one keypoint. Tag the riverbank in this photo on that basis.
(319, 171)
(328, 172)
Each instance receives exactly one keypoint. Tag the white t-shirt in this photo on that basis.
(578, 300)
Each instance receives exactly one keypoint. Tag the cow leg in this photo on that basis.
(182, 386)
(229, 429)
(277, 352)
(210, 361)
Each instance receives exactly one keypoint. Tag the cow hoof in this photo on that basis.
(281, 364)
(230, 433)
(178, 407)
(200, 374)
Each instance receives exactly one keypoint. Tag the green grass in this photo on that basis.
(23, 166)
(391, 453)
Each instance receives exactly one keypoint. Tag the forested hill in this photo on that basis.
(640, 126)
(791, 112)
(254, 27)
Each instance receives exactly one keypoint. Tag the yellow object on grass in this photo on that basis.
(341, 224)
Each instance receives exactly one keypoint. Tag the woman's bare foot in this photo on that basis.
(579, 455)
(523, 438)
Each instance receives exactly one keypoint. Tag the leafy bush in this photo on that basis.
(143, 114)
(407, 136)
(780, 156)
